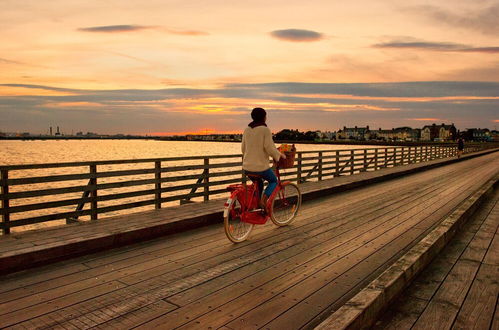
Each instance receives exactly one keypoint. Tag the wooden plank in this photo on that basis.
(492, 256)
(115, 308)
(477, 310)
(425, 285)
(18, 316)
(128, 320)
(21, 281)
(443, 308)
(405, 312)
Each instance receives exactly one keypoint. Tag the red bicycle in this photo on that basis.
(241, 211)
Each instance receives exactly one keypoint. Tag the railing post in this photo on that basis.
(93, 192)
(298, 174)
(206, 180)
(365, 160)
(4, 190)
(386, 157)
(157, 184)
(376, 159)
(337, 167)
(352, 156)
(320, 166)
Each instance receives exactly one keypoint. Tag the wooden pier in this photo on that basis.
(281, 278)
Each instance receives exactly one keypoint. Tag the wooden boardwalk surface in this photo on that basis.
(459, 289)
(281, 278)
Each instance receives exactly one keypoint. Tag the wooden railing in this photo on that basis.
(68, 191)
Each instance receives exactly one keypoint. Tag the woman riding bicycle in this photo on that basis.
(257, 146)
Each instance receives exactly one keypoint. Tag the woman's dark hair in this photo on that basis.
(258, 114)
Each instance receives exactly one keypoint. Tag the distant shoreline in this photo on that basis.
(338, 142)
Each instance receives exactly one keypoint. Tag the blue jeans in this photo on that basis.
(267, 175)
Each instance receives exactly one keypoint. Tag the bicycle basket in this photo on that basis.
(290, 156)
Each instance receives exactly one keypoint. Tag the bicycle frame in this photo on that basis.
(247, 196)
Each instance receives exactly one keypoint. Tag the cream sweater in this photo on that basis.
(257, 147)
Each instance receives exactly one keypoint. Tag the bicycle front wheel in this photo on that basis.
(235, 229)
(286, 204)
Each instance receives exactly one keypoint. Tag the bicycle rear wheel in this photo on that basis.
(285, 204)
(235, 229)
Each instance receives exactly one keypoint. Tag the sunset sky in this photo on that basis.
(164, 66)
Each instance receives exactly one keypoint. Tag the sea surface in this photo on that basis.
(17, 152)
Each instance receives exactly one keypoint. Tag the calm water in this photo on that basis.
(34, 152)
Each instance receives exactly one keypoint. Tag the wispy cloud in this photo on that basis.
(447, 46)
(7, 61)
(4, 60)
(115, 28)
(297, 35)
(484, 19)
(481, 50)
(436, 46)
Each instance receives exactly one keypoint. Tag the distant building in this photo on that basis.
(494, 135)
(327, 135)
(439, 133)
(447, 133)
(384, 134)
(478, 134)
(430, 132)
(354, 133)
(398, 134)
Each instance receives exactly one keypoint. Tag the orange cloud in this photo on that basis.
(72, 104)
